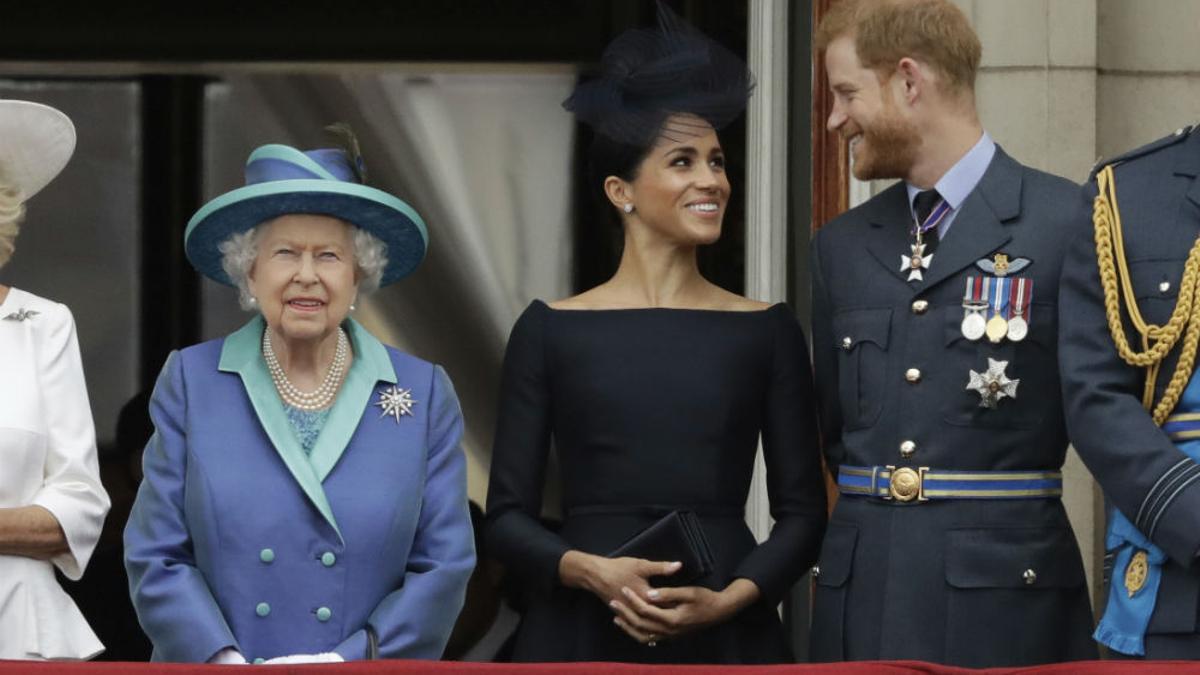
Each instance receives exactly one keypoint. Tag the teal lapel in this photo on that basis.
(371, 365)
(242, 354)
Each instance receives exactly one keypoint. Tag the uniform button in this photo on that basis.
(1029, 576)
(816, 571)
(847, 343)
(920, 306)
(1179, 131)
(1164, 287)
(266, 555)
(323, 614)
(328, 559)
(912, 375)
(908, 449)
(262, 609)
(259, 661)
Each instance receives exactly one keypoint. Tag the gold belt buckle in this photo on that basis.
(906, 484)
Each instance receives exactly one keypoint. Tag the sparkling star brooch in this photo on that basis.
(22, 314)
(993, 384)
(913, 264)
(396, 402)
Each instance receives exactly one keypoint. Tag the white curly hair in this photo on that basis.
(240, 250)
(12, 211)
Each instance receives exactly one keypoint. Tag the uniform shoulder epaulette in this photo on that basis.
(1154, 146)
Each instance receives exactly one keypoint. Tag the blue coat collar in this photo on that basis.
(241, 353)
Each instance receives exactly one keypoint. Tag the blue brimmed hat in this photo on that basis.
(281, 180)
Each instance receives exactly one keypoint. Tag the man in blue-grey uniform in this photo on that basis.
(1128, 330)
(934, 337)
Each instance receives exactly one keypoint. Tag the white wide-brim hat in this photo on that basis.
(35, 143)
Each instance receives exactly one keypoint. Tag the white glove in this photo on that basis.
(326, 657)
(228, 657)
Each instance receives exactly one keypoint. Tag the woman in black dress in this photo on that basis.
(654, 387)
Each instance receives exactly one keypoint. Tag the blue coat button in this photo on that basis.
(328, 559)
(262, 609)
(323, 614)
(266, 555)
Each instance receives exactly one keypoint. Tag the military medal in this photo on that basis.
(918, 260)
(997, 325)
(992, 385)
(913, 264)
(1018, 325)
(1136, 572)
(975, 305)
(974, 326)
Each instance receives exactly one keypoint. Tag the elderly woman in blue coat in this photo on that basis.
(305, 492)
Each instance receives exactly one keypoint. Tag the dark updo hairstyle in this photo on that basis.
(646, 76)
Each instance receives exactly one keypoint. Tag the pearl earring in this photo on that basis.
(352, 307)
(253, 301)
(628, 208)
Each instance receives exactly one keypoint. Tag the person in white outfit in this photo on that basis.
(52, 504)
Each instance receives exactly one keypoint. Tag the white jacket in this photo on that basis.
(47, 458)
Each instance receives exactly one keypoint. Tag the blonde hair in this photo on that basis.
(935, 32)
(12, 210)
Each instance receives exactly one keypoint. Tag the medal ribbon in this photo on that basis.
(999, 302)
(1022, 294)
(936, 216)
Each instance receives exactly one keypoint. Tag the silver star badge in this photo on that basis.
(22, 314)
(913, 264)
(993, 384)
(396, 402)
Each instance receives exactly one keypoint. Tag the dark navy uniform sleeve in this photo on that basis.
(795, 484)
(519, 455)
(1145, 476)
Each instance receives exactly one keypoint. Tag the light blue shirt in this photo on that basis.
(960, 180)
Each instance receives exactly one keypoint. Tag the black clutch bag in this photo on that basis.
(677, 536)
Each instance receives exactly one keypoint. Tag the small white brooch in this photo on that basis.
(396, 402)
(22, 314)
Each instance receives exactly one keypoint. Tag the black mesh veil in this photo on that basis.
(648, 75)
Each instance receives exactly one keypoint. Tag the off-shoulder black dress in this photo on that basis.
(650, 410)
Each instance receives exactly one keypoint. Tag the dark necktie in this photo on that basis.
(923, 205)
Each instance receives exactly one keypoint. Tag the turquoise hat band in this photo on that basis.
(290, 155)
(387, 217)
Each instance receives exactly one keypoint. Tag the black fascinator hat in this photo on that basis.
(648, 75)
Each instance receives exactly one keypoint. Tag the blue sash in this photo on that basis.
(1126, 616)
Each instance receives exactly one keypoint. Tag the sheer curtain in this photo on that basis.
(483, 154)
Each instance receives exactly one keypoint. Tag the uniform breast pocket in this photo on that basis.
(1027, 583)
(1030, 363)
(862, 341)
(1156, 286)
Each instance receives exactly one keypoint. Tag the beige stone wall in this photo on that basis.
(1148, 54)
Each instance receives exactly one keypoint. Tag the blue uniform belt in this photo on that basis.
(906, 484)
(1183, 427)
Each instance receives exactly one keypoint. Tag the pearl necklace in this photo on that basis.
(309, 401)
